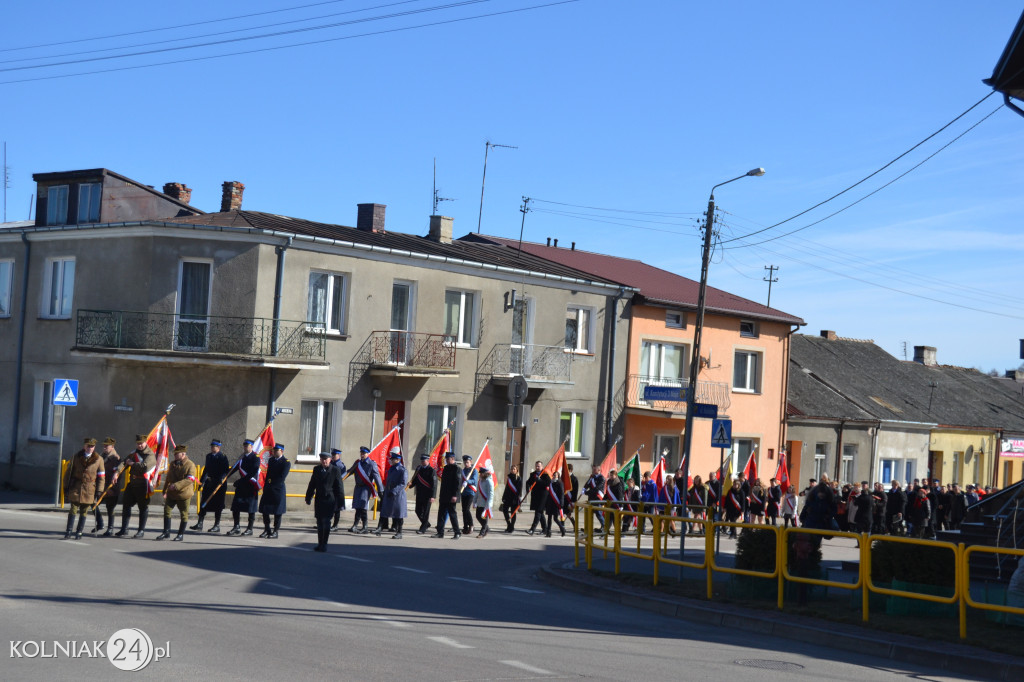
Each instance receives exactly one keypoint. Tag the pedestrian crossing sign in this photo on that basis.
(721, 433)
(65, 392)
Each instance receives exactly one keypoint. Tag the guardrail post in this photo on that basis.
(781, 555)
(657, 545)
(588, 523)
(963, 580)
(617, 541)
(865, 593)
(576, 534)
(709, 551)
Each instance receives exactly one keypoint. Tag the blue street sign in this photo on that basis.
(65, 392)
(721, 433)
(705, 411)
(664, 394)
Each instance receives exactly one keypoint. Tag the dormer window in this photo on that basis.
(57, 205)
(748, 329)
(89, 202)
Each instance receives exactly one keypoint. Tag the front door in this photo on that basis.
(394, 414)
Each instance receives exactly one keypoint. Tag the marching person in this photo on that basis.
(735, 504)
(136, 491)
(553, 505)
(594, 490)
(537, 487)
(483, 500)
(789, 502)
(325, 486)
(215, 470)
(425, 484)
(756, 502)
(84, 484)
(368, 485)
(393, 504)
(510, 498)
(774, 501)
(275, 494)
(572, 493)
(448, 496)
(179, 486)
(632, 499)
(110, 461)
(342, 469)
(467, 487)
(895, 507)
(246, 489)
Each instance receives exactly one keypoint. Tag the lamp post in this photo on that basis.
(691, 389)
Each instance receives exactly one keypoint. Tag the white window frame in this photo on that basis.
(466, 335)
(44, 307)
(46, 417)
(740, 462)
(92, 192)
(584, 343)
(576, 417)
(673, 458)
(57, 205)
(675, 319)
(894, 471)
(749, 386)
(753, 333)
(334, 280)
(447, 415)
(179, 319)
(820, 460)
(332, 430)
(6, 286)
(957, 462)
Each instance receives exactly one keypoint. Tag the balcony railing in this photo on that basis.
(539, 363)
(712, 392)
(250, 337)
(412, 351)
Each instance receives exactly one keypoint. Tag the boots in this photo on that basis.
(248, 529)
(99, 521)
(143, 515)
(277, 527)
(181, 532)
(199, 522)
(398, 529)
(126, 517)
(167, 529)
(81, 525)
(266, 526)
(234, 529)
(110, 524)
(71, 523)
(216, 523)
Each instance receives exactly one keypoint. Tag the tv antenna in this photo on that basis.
(437, 199)
(487, 148)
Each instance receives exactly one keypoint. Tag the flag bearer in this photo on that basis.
(424, 482)
(275, 495)
(136, 492)
(110, 461)
(179, 487)
(246, 489)
(215, 470)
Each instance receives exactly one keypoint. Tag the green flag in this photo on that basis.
(631, 469)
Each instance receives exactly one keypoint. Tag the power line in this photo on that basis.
(615, 210)
(610, 222)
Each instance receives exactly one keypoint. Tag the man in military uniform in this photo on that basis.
(467, 486)
(448, 496)
(179, 486)
(325, 486)
(275, 501)
(246, 489)
(393, 504)
(83, 485)
(424, 481)
(368, 485)
(136, 492)
(110, 461)
(215, 471)
(342, 469)
(594, 490)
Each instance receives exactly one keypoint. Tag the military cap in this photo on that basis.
(424, 456)
(109, 441)
(139, 438)
(467, 458)
(215, 442)
(279, 446)
(449, 455)
(335, 451)
(363, 448)
(180, 448)
(248, 441)
(325, 455)
(89, 441)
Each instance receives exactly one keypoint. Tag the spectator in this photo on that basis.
(895, 506)
(880, 500)
(919, 511)
(864, 506)
(789, 502)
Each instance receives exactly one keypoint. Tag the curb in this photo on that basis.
(958, 658)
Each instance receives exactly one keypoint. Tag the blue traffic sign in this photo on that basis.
(65, 392)
(721, 433)
(705, 411)
(664, 394)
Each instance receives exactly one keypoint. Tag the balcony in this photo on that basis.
(211, 340)
(537, 364)
(411, 354)
(711, 392)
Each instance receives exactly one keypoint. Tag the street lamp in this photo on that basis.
(691, 389)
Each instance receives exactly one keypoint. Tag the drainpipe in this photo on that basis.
(839, 451)
(611, 372)
(872, 477)
(21, 359)
(784, 401)
(276, 340)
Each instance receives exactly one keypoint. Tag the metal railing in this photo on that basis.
(253, 337)
(412, 350)
(711, 392)
(539, 363)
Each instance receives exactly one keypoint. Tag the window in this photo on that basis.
(578, 329)
(6, 272)
(89, 202)
(46, 418)
(909, 472)
(58, 287)
(317, 425)
(675, 319)
(57, 205)
(571, 425)
(459, 317)
(438, 419)
(820, 457)
(748, 329)
(743, 449)
(327, 301)
(193, 321)
(663, 362)
(1007, 473)
(846, 472)
(667, 446)
(957, 458)
(746, 375)
(888, 470)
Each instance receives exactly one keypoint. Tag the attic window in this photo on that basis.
(748, 329)
(675, 319)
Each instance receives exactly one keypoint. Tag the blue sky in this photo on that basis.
(638, 106)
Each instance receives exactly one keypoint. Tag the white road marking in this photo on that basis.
(77, 543)
(17, 533)
(351, 558)
(527, 668)
(15, 511)
(521, 589)
(331, 601)
(449, 642)
(411, 570)
(389, 621)
(468, 580)
(283, 587)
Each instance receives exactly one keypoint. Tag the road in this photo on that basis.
(369, 609)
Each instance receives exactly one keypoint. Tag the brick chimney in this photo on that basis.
(1015, 374)
(925, 355)
(440, 229)
(829, 334)
(370, 217)
(178, 190)
(231, 197)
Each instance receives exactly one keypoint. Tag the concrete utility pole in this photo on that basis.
(771, 271)
(487, 148)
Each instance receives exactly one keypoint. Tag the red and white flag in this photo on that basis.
(658, 478)
(782, 473)
(750, 470)
(379, 453)
(443, 445)
(160, 442)
(262, 446)
(484, 458)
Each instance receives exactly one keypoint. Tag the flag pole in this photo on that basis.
(527, 493)
(235, 465)
(447, 430)
(118, 471)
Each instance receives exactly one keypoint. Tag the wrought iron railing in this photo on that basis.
(412, 350)
(238, 336)
(712, 392)
(541, 363)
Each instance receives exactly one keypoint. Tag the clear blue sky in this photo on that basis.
(635, 106)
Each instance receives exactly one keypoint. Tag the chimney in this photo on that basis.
(925, 355)
(574, 246)
(177, 190)
(556, 244)
(370, 217)
(549, 244)
(1015, 374)
(231, 196)
(829, 334)
(440, 229)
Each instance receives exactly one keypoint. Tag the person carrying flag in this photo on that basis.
(572, 493)
(535, 488)
(179, 486)
(136, 492)
(468, 478)
(553, 504)
(246, 489)
(342, 469)
(215, 470)
(483, 500)
(368, 485)
(448, 497)
(424, 483)
(510, 498)
(594, 490)
(325, 487)
(110, 461)
(393, 504)
(85, 483)
(275, 495)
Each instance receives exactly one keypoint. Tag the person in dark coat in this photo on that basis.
(136, 490)
(594, 490)
(572, 493)
(632, 499)
(510, 498)
(553, 505)
(325, 487)
(880, 501)
(895, 506)
(944, 496)
(393, 504)
(864, 513)
(467, 487)
(820, 508)
(110, 461)
(368, 485)
(774, 502)
(448, 497)
(215, 471)
(424, 485)
(275, 501)
(957, 507)
(536, 488)
(342, 469)
(932, 493)
(735, 504)
(85, 482)
(246, 489)
(919, 512)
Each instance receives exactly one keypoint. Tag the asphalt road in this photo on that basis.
(369, 609)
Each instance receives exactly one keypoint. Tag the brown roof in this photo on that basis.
(654, 284)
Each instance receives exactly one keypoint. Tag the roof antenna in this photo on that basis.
(487, 148)
(437, 199)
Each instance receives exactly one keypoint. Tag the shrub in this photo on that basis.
(920, 564)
